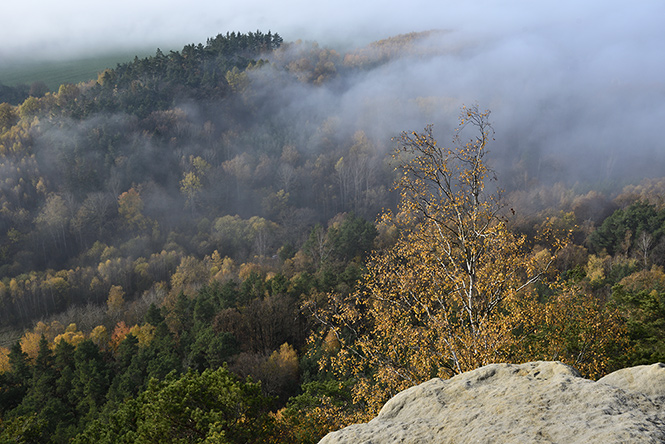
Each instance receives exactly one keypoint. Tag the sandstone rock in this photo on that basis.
(537, 402)
(646, 379)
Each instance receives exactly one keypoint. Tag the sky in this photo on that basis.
(69, 28)
(562, 78)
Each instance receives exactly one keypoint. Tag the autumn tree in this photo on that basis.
(457, 290)
(115, 301)
(130, 207)
(193, 181)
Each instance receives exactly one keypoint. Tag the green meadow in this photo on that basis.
(55, 73)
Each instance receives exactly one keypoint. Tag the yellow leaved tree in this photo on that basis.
(458, 289)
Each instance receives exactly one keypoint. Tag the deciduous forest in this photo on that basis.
(191, 252)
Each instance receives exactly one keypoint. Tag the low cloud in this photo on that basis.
(577, 91)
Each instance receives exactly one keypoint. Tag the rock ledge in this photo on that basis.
(537, 402)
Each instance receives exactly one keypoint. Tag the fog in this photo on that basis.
(72, 28)
(68, 28)
(576, 94)
(577, 91)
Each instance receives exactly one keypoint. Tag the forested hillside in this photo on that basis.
(193, 219)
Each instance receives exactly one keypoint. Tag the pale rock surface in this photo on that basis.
(646, 379)
(537, 402)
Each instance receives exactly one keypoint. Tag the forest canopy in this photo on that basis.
(211, 226)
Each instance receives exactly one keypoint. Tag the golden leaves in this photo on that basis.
(457, 289)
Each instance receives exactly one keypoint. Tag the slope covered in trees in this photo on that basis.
(191, 219)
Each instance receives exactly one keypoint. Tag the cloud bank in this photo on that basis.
(575, 89)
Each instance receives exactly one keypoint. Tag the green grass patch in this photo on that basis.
(55, 73)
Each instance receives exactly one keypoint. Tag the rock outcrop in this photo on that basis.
(537, 402)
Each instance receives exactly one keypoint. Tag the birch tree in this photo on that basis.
(457, 290)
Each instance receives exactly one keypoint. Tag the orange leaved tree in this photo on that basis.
(458, 288)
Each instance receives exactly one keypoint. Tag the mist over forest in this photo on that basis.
(199, 212)
(575, 91)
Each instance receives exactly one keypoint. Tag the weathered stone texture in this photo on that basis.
(537, 402)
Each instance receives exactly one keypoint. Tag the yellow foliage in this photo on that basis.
(221, 269)
(190, 186)
(245, 270)
(41, 329)
(4, 360)
(456, 291)
(130, 207)
(190, 276)
(30, 344)
(649, 190)
(116, 299)
(216, 261)
(228, 268)
(96, 285)
(72, 337)
(100, 336)
(144, 333)
(284, 360)
(644, 280)
(330, 342)
(15, 289)
(577, 329)
(318, 421)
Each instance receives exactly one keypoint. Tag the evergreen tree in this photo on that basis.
(90, 382)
